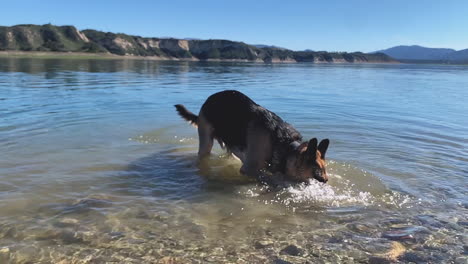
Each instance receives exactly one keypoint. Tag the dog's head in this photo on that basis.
(308, 161)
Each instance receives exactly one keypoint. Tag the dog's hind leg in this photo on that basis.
(205, 137)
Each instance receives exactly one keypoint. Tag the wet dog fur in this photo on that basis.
(258, 137)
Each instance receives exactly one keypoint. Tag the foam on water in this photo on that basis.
(324, 194)
(343, 193)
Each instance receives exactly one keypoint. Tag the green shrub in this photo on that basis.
(348, 57)
(54, 45)
(210, 54)
(92, 47)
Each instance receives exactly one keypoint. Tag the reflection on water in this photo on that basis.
(95, 165)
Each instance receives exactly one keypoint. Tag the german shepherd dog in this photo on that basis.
(258, 137)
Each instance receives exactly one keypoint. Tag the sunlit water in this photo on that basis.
(96, 166)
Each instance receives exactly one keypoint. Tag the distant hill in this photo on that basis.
(44, 38)
(416, 53)
(460, 56)
(423, 54)
(50, 38)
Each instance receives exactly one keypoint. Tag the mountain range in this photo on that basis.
(417, 53)
(68, 39)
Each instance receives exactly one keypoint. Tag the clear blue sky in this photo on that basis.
(348, 25)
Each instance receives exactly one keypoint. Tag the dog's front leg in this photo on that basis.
(250, 170)
(258, 152)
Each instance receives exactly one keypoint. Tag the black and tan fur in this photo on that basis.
(258, 137)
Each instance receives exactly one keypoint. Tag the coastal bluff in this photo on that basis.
(68, 39)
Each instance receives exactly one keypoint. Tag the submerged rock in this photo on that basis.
(292, 250)
(415, 257)
(357, 255)
(397, 235)
(218, 251)
(395, 252)
(67, 236)
(405, 233)
(461, 260)
(116, 235)
(429, 220)
(387, 253)
(26, 255)
(263, 243)
(66, 222)
(378, 260)
(281, 261)
(93, 201)
(4, 255)
(359, 228)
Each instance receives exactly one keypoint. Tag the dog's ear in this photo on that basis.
(312, 149)
(323, 146)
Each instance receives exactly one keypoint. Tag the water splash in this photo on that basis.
(324, 194)
(313, 193)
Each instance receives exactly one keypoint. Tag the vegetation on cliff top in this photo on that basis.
(68, 39)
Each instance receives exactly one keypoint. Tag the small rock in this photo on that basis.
(377, 246)
(378, 260)
(170, 260)
(429, 220)
(263, 244)
(218, 251)
(454, 226)
(47, 234)
(93, 201)
(414, 257)
(406, 233)
(292, 250)
(26, 254)
(66, 222)
(210, 259)
(4, 255)
(315, 253)
(11, 232)
(395, 251)
(281, 261)
(116, 235)
(357, 255)
(69, 237)
(135, 241)
(335, 240)
(461, 260)
(360, 228)
(197, 229)
(142, 214)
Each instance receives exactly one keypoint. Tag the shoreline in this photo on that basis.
(109, 56)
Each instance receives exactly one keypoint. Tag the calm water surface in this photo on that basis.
(96, 166)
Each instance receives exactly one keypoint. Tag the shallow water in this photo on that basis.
(96, 166)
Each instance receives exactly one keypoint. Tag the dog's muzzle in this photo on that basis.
(320, 176)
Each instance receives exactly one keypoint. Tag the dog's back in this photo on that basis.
(231, 113)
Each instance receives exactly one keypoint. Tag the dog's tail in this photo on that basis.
(186, 114)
